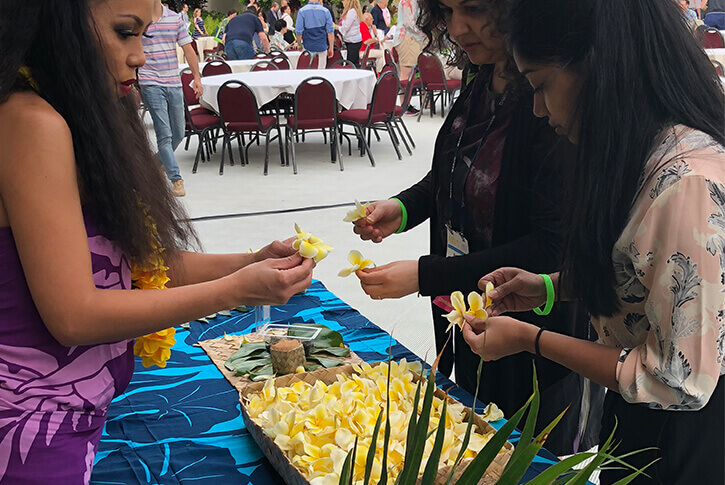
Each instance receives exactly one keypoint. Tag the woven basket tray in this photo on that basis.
(219, 350)
(291, 474)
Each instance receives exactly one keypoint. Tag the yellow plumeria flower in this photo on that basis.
(309, 246)
(492, 413)
(455, 317)
(359, 212)
(476, 308)
(358, 262)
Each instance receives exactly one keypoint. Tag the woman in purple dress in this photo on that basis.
(82, 201)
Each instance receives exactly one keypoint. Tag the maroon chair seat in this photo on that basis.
(450, 84)
(311, 124)
(200, 111)
(360, 116)
(416, 82)
(202, 121)
(266, 122)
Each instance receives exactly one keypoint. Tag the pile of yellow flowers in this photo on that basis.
(316, 425)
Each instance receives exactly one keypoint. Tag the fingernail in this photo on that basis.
(493, 294)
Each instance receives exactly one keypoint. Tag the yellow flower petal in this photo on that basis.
(475, 302)
(457, 301)
(307, 250)
(489, 289)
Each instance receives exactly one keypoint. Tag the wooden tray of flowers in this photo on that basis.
(307, 423)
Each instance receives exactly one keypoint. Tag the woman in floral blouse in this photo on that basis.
(646, 236)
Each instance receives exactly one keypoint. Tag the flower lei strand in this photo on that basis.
(154, 348)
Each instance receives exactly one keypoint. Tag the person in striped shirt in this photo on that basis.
(161, 86)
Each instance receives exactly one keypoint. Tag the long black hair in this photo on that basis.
(643, 72)
(119, 176)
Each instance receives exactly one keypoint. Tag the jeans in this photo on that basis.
(238, 50)
(166, 105)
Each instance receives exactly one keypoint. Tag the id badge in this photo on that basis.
(456, 243)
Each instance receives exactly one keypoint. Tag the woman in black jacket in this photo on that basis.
(491, 197)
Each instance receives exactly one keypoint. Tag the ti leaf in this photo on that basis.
(334, 351)
(431, 468)
(247, 349)
(326, 362)
(528, 432)
(326, 338)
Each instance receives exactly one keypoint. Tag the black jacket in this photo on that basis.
(526, 234)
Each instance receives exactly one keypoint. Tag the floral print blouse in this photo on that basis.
(670, 277)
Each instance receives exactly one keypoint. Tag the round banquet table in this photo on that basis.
(248, 64)
(716, 55)
(353, 87)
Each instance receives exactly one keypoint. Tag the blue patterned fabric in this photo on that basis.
(183, 424)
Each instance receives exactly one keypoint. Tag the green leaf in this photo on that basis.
(413, 420)
(386, 435)
(551, 473)
(514, 472)
(351, 481)
(475, 470)
(469, 426)
(371, 451)
(247, 349)
(528, 431)
(334, 351)
(242, 308)
(626, 480)
(247, 366)
(326, 338)
(431, 468)
(225, 313)
(345, 473)
(309, 367)
(326, 362)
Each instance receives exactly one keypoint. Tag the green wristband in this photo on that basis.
(549, 297)
(404, 216)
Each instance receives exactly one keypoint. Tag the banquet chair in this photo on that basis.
(377, 116)
(195, 48)
(434, 82)
(260, 55)
(239, 113)
(264, 66)
(200, 122)
(713, 39)
(398, 121)
(366, 62)
(315, 109)
(336, 56)
(339, 43)
(277, 53)
(215, 68)
(343, 64)
(389, 57)
(719, 68)
(304, 60)
(389, 67)
(281, 62)
(216, 53)
(395, 55)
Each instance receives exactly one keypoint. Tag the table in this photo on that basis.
(248, 64)
(183, 424)
(716, 55)
(354, 87)
(202, 43)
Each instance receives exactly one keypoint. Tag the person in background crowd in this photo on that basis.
(696, 5)
(330, 8)
(239, 35)
(277, 41)
(289, 35)
(314, 31)
(185, 16)
(645, 246)
(408, 40)
(199, 29)
(378, 17)
(715, 13)
(369, 39)
(350, 21)
(273, 15)
(81, 214)
(690, 15)
(220, 34)
(492, 195)
(256, 39)
(161, 88)
(387, 17)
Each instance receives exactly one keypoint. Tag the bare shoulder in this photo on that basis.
(26, 117)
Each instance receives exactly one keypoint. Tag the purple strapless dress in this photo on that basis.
(54, 399)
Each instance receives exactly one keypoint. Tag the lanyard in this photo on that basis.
(478, 149)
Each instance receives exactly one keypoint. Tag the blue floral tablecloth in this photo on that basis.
(183, 424)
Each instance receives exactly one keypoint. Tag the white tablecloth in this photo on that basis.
(716, 55)
(202, 43)
(247, 65)
(354, 87)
